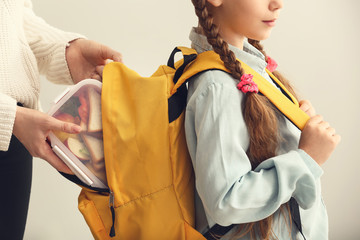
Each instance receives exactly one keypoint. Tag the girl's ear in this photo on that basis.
(215, 3)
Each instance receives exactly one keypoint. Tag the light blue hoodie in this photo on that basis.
(228, 191)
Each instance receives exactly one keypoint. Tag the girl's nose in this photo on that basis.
(275, 5)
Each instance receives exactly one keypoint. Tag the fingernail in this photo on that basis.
(117, 59)
(76, 128)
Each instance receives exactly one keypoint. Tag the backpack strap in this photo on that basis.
(295, 215)
(217, 231)
(284, 100)
(177, 99)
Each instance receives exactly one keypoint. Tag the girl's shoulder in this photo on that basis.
(208, 78)
(215, 84)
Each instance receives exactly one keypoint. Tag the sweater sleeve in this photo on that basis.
(230, 191)
(7, 118)
(48, 45)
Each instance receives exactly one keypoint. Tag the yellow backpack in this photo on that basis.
(149, 170)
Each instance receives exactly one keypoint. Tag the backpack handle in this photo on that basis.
(177, 99)
(187, 53)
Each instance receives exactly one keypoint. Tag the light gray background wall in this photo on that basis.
(316, 44)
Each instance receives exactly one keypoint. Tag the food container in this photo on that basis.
(83, 153)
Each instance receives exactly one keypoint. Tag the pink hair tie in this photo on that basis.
(247, 84)
(271, 64)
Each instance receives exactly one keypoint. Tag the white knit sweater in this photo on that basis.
(28, 47)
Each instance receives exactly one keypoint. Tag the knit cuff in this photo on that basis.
(7, 119)
(58, 70)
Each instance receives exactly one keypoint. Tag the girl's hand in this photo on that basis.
(32, 128)
(86, 59)
(318, 139)
(307, 107)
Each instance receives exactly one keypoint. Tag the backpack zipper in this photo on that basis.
(112, 209)
(77, 181)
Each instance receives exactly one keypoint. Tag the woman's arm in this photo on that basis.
(48, 44)
(7, 117)
(62, 56)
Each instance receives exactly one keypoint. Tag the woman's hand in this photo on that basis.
(318, 139)
(32, 128)
(307, 107)
(86, 59)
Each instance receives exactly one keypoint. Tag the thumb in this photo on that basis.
(67, 127)
(304, 106)
(100, 69)
(108, 53)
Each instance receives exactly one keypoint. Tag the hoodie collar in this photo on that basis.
(249, 55)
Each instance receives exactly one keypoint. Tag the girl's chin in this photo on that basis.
(261, 37)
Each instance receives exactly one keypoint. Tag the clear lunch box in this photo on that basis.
(83, 153)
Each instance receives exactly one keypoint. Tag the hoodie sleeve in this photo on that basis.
(217, 136)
